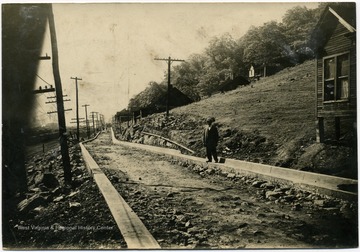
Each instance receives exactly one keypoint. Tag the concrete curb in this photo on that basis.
(324, 184)
(91, 139)
(131, 227)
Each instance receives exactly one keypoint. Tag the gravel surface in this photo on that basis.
(189, 206)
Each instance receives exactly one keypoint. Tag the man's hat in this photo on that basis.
(210, 119)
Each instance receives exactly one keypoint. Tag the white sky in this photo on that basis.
(112, 46)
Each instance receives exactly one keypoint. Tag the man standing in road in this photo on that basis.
(211, 138)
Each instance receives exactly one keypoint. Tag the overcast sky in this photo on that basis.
(112, 46)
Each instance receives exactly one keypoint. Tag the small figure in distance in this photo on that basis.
(211, 138)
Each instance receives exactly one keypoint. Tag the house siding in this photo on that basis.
(338, 43)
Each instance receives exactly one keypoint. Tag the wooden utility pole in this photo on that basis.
(93, 119)
(77, 107)
(102, 122)
(59, 99)
(169, 60)
(87, 122)
(97, 121)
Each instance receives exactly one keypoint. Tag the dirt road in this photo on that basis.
(183, 208)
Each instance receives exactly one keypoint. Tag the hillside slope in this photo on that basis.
(270, 121)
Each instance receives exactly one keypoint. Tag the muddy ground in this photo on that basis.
(187, 206)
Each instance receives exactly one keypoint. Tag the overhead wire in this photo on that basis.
(44, 80)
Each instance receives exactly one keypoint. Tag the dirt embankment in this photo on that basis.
(53, 215)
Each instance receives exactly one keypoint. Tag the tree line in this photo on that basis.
(283, 44)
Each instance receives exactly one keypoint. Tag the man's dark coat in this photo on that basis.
(211, 136)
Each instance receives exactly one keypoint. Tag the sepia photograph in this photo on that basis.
(179, 125)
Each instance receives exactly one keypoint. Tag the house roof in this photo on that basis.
(342, 21)
(343, 13)
(176, 97)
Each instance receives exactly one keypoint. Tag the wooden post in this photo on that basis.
(93, 119)
(168, 89)
(264, 70)
(320, 130)
(87, 121)
(59, 99)
(120, 123)
(77, 108)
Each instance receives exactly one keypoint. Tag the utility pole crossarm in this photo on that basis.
(46, 90)
(169, 59)
(55, 101)
(52, 97)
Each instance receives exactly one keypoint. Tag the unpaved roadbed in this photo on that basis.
(185, 206)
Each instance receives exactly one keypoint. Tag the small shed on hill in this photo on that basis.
(335, 48)
(231, 84)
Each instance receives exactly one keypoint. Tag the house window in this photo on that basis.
(336, 77)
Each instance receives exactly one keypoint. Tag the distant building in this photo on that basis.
(335, 47)
(263, 70)
(251, 72)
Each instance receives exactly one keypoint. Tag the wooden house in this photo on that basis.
(334, 41)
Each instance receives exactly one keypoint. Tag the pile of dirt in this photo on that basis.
(54, 215)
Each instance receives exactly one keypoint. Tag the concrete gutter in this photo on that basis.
(91, 139)
(131, 227)
(324, 184)
(168, 140)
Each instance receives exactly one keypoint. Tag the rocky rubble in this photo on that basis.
(175, 221)
(187, 130)
(248, 145)
(56, 215)
(278, 193)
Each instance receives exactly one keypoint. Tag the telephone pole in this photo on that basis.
(93, 119)
(77, 107)
(59, 99)
(87, 122)
(97, 121)
(168, 60)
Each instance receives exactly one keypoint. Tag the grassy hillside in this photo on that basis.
(270, 121)
(280, 108)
